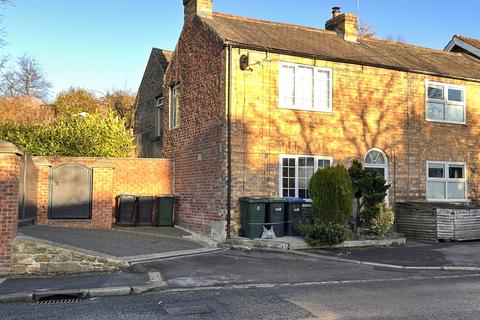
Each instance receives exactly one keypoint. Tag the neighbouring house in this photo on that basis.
(465, 45)
(255, 107)
(149, 106)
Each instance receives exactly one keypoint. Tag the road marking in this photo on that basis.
(2, 280)
(155, 277)
(318, 283)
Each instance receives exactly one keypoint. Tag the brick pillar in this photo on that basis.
(10, 159)
(102, 207)
(43, 185)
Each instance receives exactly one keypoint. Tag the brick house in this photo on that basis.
(465, 45)
(149, 105)
(256, 107)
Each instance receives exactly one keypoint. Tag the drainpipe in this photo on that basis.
(229, 143)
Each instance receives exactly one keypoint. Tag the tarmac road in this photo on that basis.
(439, 298)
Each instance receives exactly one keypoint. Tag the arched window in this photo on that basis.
(376, 160)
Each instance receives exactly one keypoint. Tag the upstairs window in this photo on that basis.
(305, 87)
(445, 103)
(446, 181)
(296, 171)
(158, 116)
(174, 112)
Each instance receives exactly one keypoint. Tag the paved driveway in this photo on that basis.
(127, 244)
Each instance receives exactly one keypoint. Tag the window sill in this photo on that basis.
(306, 110)
(447, 201)
(446, 122)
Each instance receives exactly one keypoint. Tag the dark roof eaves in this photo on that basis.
(343, 60)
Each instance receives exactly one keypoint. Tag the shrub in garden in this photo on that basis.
(382, 222)
(322, 232)
(370, 190)
(332, 195)
(76, 136)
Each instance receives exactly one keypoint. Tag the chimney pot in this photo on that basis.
(345, 24)
(335, 11)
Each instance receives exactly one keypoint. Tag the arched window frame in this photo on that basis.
(375, 165)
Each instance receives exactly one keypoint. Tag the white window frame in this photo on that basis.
(316, 107)
(446, 180)
(296, 156)
(172, 112)
(158, 116)
(445, 100)
(381, 166)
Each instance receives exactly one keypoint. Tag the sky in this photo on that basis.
(104, 45)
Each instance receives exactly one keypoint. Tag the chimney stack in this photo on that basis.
(345, 24)
(201, 8)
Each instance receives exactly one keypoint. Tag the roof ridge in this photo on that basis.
(231, 16)
(433, 50)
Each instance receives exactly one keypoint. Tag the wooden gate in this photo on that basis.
(70, 192)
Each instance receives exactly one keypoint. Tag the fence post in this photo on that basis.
(10, 158)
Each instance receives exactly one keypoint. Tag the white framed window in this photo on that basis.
(446, 181)
(296, 171)
(376, 160)
(158, 116)
(305, 87)
(174, 106)
(445, 103)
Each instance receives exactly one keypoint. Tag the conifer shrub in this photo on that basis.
(332, 195)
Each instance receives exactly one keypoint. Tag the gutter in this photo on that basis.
(343, 60)
(229, 143)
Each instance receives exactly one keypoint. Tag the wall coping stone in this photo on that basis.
(41, 162)
(9, 148)
(103, 163)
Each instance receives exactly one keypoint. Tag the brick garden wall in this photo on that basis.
(111, 177)
(9, 194)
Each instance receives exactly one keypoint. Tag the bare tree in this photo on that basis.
(26, 79)
(365, 30)
(2, 28)
(397, 38)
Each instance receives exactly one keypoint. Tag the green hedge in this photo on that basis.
(93, 135)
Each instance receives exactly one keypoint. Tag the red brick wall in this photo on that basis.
(198, 145)
(9, 194)
(111, 177)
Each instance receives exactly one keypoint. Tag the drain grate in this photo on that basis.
(188, 310)
(58, 299)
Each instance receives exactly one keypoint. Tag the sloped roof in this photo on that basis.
(163, 56)
(470, 41)
(327, 45)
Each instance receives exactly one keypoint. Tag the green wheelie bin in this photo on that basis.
(252, 210)
(165, 210)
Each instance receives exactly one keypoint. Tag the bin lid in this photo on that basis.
(254, 199)
(276, 200)
(125, 195)
(295, 200)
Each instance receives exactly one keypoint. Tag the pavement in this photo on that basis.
(446, 255)
(133, 245)
(257, 269)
